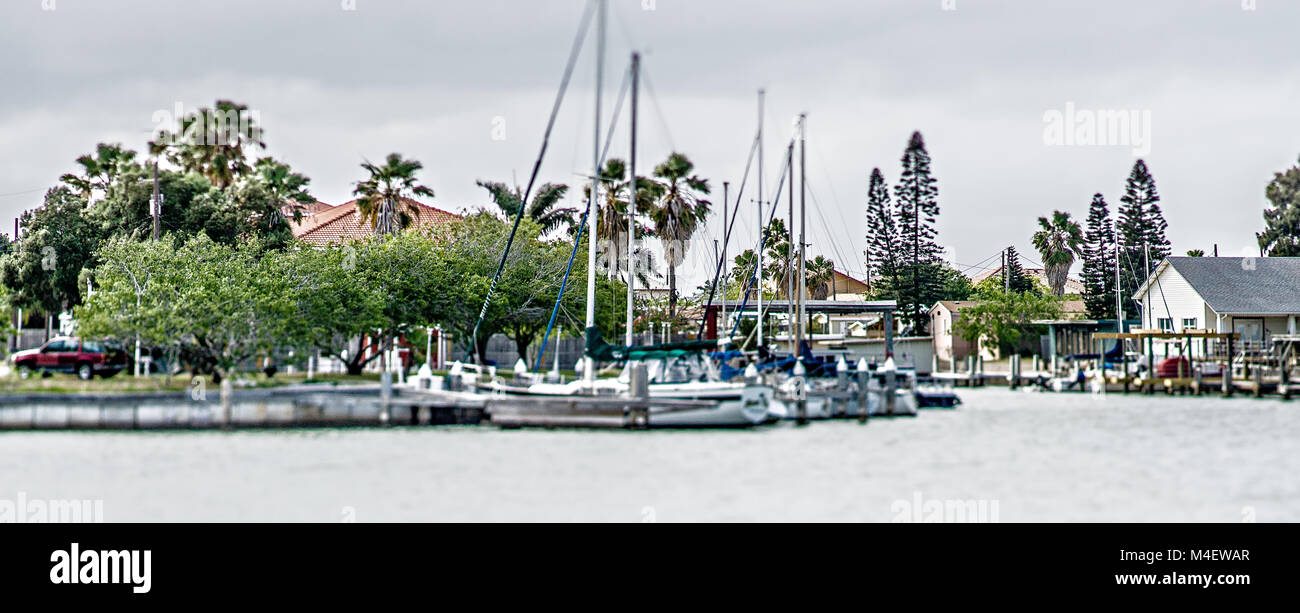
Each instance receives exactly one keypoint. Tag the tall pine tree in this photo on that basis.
(883, 248)
(1141, 228)
(1013, 274)
(1099, 261)
(917, 197)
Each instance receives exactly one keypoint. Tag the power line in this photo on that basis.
(659, 111)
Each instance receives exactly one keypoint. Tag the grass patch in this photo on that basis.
(124, 383)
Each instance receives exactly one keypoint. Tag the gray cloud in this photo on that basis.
(427, 79)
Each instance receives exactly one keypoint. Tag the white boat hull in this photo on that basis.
(740, 406)
(737, 405)
(904, 404)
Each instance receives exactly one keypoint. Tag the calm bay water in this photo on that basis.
(1039, 457)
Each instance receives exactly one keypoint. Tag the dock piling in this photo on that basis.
(864, 403)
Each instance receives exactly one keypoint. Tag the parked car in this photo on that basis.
(72, 355)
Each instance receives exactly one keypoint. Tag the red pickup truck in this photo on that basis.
(71, 355)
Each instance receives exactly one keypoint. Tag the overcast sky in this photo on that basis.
(1220, 80)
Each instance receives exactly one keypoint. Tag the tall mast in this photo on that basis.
(631, 202)
(726, 188)
(789, 252)
(758, 270)
(588, 363)
(1119, 300)
(802, 287)
(1146, 264)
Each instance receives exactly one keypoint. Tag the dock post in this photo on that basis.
(1259, 382)
(841, 386)
(891, 394)
(227, 402)
(1227, 379)
(1284, 377)
(864, 403)
(1013, 381)
(800, 393)
(979, 363)
(639, 386)
(385, 397)
(1123, 360)
(934, 363)
(970, 371)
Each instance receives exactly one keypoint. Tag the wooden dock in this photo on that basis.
(520, 411)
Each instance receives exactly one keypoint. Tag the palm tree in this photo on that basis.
(378, 197)
(778, 259)
(679, 214)
(612, 222)
(742, 270)
(820, 274)
(101, 171)
(1059, 241)
(543, 209)
(212, 142)
(288, 189)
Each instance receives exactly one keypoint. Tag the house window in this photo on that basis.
(1165, 324)
(1189, 323)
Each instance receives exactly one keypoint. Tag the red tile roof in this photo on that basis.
(336, 224)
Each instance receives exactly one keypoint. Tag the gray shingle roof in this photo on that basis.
(1254, 286)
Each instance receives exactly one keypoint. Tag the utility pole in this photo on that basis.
(1006, 271)
(157, 210)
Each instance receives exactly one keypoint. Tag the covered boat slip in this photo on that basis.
(1196, 361)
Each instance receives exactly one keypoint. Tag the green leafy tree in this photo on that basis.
(1281, 235)
(1196, 253)
(127, 211)
(339, 311)
(954, 284)
(1001, 319)
(222, 304)
(43, 269)
(1059, 240)
(385, 198)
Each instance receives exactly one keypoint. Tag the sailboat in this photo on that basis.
(726, 404)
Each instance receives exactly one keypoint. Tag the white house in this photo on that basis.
(1254, 297)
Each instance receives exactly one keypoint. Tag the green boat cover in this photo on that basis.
(598, 349)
